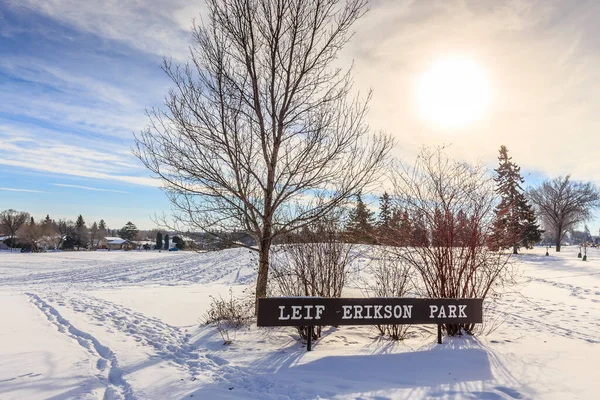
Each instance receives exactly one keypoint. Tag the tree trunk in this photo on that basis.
(263, 270)
(515, 249)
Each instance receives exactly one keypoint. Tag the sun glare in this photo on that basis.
(453, 93)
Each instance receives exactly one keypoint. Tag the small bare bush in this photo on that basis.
(313, 263)
(229, 314)
(389, 277)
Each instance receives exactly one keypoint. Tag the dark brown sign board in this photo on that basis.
(312, 311)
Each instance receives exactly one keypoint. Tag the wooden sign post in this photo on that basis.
(314, 311)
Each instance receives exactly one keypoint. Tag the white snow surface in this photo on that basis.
(130, 325)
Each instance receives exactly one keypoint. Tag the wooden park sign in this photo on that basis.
(313, 311)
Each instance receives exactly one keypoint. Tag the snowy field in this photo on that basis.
(129, 325)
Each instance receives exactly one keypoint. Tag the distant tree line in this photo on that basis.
(551, 211)
(23, 231)
(19, 230)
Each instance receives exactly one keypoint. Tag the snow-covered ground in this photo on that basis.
(129, 325)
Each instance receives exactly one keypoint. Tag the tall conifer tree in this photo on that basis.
(361, 222)
(159, 241)
(385, 220)
(515, 225)
(129, 231)
(385, 210)
(81, 232)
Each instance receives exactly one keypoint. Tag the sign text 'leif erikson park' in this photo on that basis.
(314, 311)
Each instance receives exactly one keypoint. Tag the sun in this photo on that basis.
(454, 92)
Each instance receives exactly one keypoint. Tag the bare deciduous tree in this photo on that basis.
(50, 233)
(93, 236)
(31, 234)
(11, 221)
(260, 121)
(563, 204)
(454, 202)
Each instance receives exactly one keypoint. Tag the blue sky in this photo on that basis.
(71, 101)
(76, 77)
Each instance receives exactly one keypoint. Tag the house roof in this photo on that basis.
(111, 238)
(118, 241)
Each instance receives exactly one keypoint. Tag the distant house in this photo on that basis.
(116, 243)
(208, 241)
(2, 245)
(103, 243)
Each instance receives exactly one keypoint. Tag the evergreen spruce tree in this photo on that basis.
(129, 231)
(419, 237)
(69, 234)
(385, 210)
(179, 243)
(81, 233)
(159, 241)
(360, 223)
(515, 225)
(166, 241)
(440, 229)
(49, 229)
(385, 221)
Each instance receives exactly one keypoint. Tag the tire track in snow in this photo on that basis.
(117, 387)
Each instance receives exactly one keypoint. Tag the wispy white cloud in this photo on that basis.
(51, 152)
(89, 188)
(21, 190)
(72, 100)
(154, 26)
